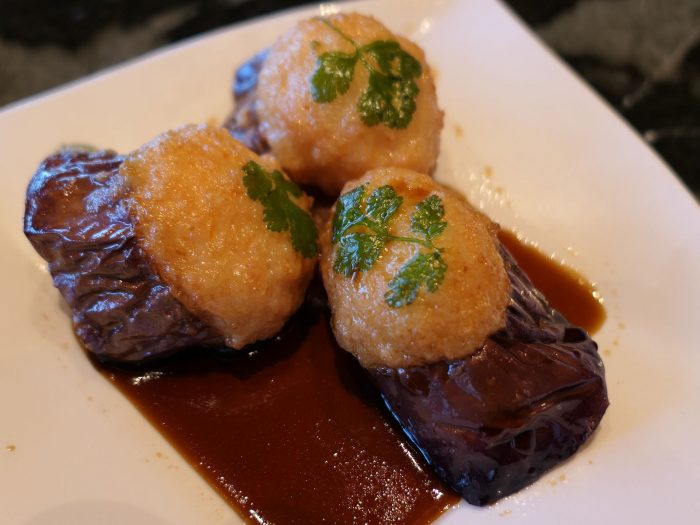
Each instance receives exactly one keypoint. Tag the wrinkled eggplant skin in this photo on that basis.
(492, 423)
(243, 123)
(78, 220)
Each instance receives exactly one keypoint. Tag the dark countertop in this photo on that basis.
(642, 56)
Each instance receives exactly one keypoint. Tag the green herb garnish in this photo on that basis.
(424, 269)
(280, 213)
(390, 96)
(361, 231)
(427, 219)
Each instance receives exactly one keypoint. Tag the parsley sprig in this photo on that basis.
(280, 213)
(361, 229)
(390, 96)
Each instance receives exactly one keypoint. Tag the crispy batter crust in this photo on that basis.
(208, 239)
(449, 323)
(327, 144)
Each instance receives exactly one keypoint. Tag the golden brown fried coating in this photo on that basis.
(207, 238)
(448, 323)
(327, 144)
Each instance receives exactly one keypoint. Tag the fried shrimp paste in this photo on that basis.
(335, 97)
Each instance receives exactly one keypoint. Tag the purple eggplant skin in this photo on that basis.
(493, 422)
(243, 123)
(78, 219)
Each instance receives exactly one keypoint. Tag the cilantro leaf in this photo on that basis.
(354, 208)
(424, 269)
(280, 213)
(383, 203)
(392, 60)
(388, 100)
(333, 75)
(427, 219)
(361, 230)
(302, 229)
(285, 184)
(256, 181)
(357, 252)
(390, 96)
(348, 211)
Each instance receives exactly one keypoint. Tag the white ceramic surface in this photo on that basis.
(524, 138)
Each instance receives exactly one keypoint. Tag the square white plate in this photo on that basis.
(524, 139)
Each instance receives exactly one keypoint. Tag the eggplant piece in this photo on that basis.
(243, 122)
(495, 421)
(78, 219)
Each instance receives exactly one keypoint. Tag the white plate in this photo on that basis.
(524, 139)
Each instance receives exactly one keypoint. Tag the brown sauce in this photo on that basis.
(293, 433)
(565, 289)
(290, 434)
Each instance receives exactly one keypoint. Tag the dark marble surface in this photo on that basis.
(642, 56)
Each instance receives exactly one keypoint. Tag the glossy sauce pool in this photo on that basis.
(567, 291)
(293, 433)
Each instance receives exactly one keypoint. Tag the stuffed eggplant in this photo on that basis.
(190, 240)
(335, 97)
(493, 422)
(492, 385)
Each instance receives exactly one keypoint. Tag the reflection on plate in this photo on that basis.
(523, 139)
